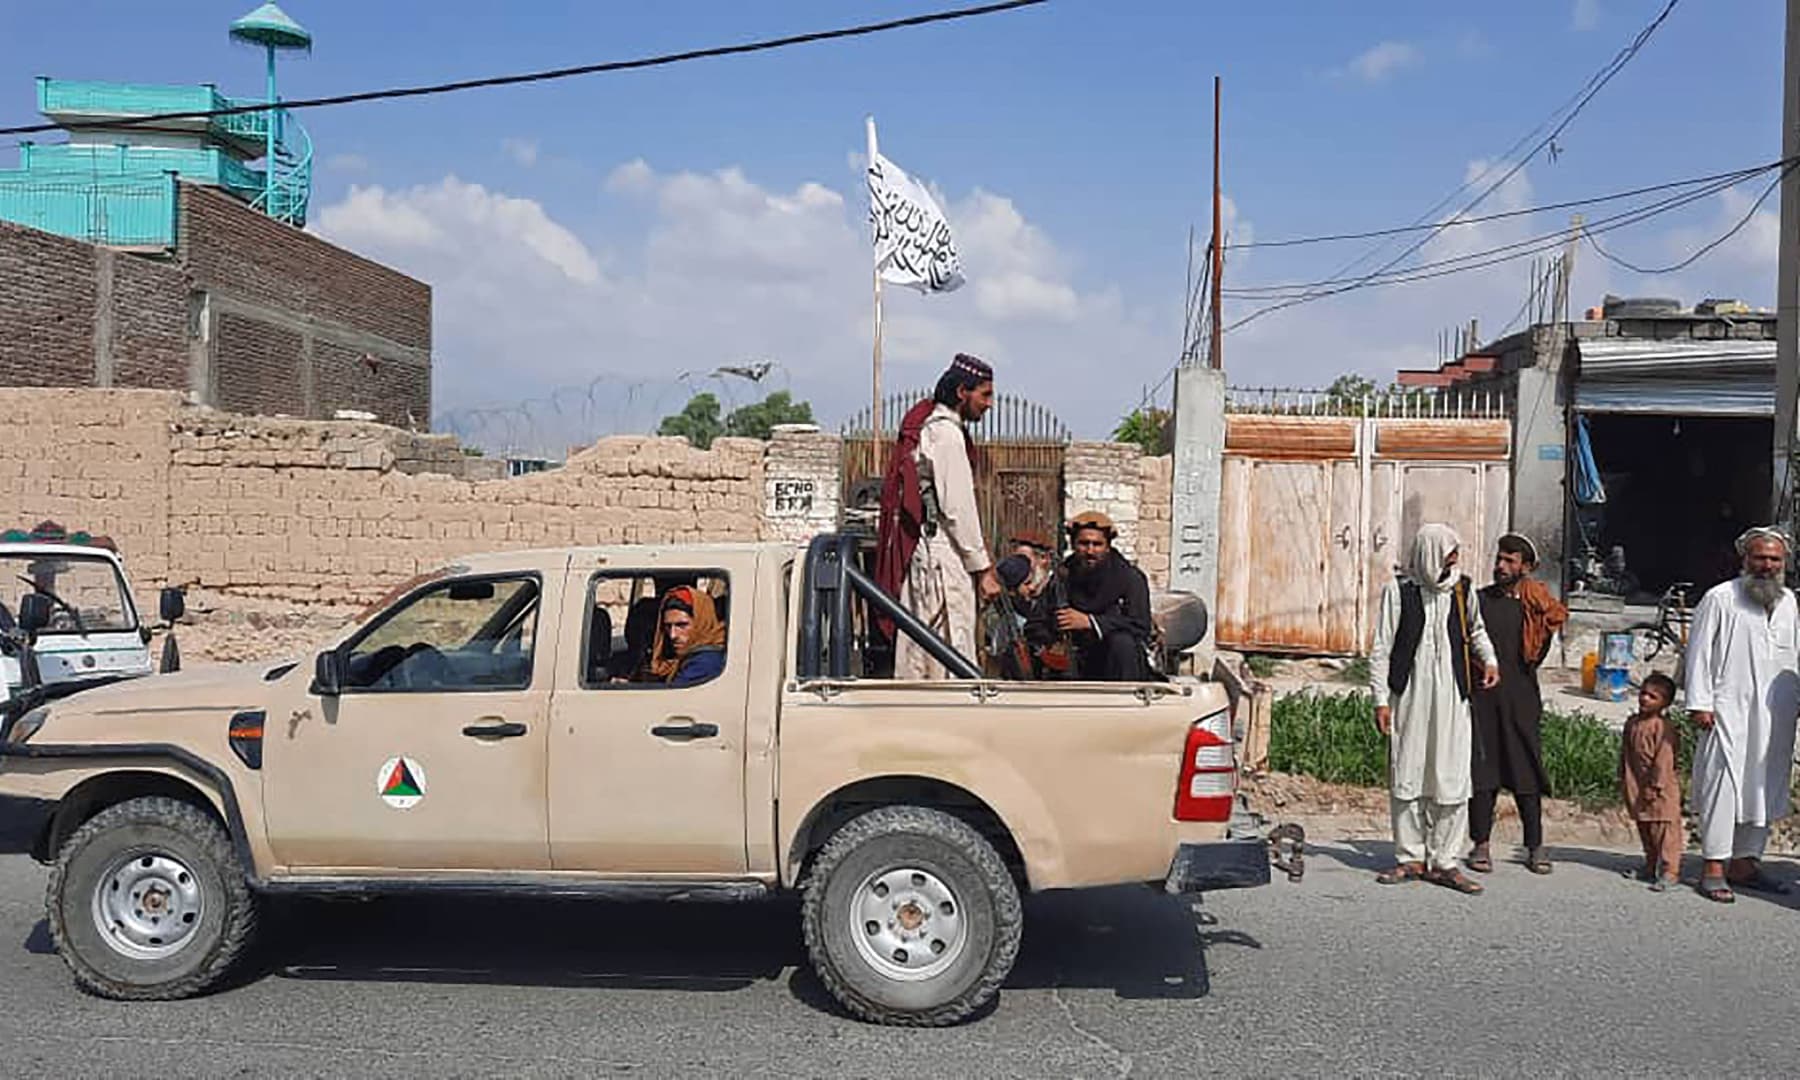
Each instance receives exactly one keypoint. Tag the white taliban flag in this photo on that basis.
(913, 245)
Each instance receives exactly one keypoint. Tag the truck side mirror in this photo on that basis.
(173, 603)
(328, 675)
(34, 613)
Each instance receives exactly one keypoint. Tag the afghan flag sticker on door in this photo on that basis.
(401, 783)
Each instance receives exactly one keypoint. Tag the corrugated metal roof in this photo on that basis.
(1680, 377)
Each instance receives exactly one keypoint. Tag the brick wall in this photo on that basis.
(150, 301)
(47, 298)
(1104, 477)
(255, 368)
(801, 485)
(246, 314)
(335, 513)
(231, 248)
(1156, 492)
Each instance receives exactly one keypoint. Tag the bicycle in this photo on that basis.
(1673, 618)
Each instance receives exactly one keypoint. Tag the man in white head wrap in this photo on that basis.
(1743, 693)
(1431, 651)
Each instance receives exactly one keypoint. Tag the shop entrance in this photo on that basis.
(1679, 491)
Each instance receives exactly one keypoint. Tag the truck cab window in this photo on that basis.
(662, 628)
(464, 634)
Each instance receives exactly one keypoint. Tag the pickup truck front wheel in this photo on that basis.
(911, 917)
(147, 902)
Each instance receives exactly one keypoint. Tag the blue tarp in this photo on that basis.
(1589, 491)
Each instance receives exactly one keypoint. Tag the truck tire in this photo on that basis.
(147, 902)
(911, 917)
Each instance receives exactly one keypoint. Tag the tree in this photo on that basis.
(1151, 428)
(698, 421)
(758, 421)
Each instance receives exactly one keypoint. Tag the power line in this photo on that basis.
(1541, 244)
(1631, 216)
(1704, 248)
(555, 73)
(1738, 174)
(1593, 88)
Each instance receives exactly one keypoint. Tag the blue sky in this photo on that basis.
(631, 227)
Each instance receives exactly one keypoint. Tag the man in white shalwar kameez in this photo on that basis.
(1431, 651)
(951, 568)
(1744, 694)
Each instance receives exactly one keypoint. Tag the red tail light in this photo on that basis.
(1208, 780)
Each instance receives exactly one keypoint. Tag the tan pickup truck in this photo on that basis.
(519, 724)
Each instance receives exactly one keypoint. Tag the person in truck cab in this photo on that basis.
(1108, 614)
(690, 639)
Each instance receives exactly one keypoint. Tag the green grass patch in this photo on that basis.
(1332, 737)
(1261, 666)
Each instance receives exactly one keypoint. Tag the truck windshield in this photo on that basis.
(87, 593)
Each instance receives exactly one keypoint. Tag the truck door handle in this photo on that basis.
(494, 729)
(688, 729)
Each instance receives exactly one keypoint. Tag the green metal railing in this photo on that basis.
(211, 165)
(121, 211)
(64, 97)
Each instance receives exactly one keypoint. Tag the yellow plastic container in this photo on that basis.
(1590, 664)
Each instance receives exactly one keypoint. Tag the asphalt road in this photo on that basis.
(1577, 974)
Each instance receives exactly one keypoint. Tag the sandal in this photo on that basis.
(1481, 860)
(1537, 862)
(1402, 874)
(1716, 890)
(1455, 879)
(1642, 873)
(1664, 885)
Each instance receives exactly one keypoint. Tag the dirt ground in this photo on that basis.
(1340, 811)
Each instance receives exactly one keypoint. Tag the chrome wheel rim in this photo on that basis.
(908, 923)
(148, 905)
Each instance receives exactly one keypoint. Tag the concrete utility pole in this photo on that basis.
(1787, 278)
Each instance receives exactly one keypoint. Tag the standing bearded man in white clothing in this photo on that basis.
(1744, 694)
(1431, 651)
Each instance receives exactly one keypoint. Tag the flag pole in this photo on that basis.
(875, 418)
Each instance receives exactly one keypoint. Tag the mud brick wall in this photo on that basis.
(334, 513)
(93, 461)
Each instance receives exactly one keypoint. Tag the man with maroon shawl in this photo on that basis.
(930, 550)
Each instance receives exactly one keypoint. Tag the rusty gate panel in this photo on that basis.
(1320, 497)
(1019, 453)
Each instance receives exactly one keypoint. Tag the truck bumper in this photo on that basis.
(1226, 864)
(22, 821)
(1241, 862)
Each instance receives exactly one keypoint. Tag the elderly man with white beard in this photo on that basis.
(1743, 693)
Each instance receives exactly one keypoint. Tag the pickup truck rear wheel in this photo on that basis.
(147, 901)
(911, 917)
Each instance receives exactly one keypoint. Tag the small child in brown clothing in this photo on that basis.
(1651, 787)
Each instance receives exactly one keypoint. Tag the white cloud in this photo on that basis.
(720, 268)
(455, 218)
(347, 163)
(523, 151)
(1586, 14)
(1379, 61)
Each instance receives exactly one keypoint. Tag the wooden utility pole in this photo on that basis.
(1787, 278)
(1215, 352)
